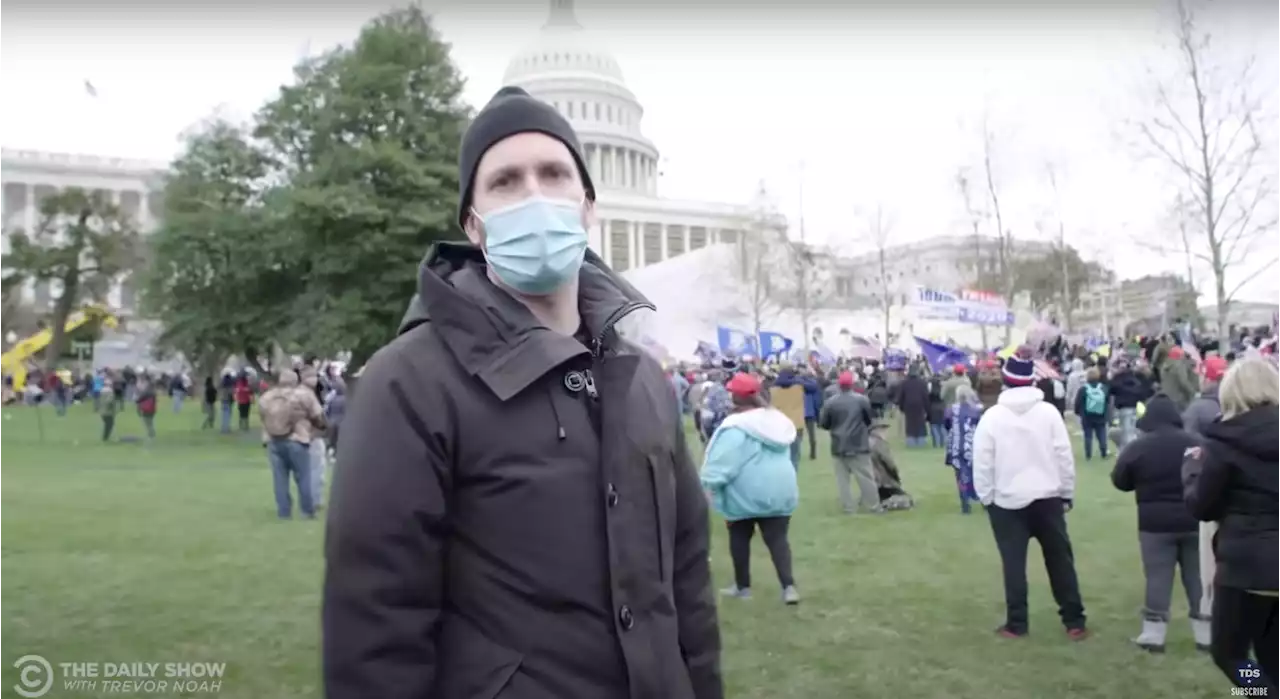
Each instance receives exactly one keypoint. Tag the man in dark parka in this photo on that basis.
(516, 515)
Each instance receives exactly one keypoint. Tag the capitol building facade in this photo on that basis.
(636, 228)
(29, 176)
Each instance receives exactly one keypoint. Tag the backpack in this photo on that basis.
(280, 412)
(1095, 399)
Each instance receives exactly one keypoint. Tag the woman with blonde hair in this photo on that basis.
(1231, 479)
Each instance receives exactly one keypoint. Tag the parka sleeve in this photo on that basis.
(384, 567)
(699, 629)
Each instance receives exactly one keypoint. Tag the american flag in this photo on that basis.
(1045, 370)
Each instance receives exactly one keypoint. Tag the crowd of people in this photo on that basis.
(1196, 439)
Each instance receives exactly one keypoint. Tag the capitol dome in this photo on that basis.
(566, 68)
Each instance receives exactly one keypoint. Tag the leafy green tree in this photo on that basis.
(368, 137)
(221, 276)
(83, 243)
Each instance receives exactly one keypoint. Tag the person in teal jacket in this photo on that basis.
(751, 482)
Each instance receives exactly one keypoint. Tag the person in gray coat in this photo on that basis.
(848, 418)
(1205, 408)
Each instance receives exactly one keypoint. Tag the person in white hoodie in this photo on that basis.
(1024, 475)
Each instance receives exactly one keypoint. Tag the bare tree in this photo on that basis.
(1060, 246)
(810, 282)
(1206, 130)
(1004, 237)
(757, 265)
(964, 186)
(878, 230)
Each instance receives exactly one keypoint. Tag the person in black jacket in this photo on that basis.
(1151, 468)
(1127, 391)
(1232, 480)
(517, 513)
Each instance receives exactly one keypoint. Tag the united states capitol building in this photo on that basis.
(566, 68)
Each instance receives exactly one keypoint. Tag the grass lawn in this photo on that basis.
(172, 553)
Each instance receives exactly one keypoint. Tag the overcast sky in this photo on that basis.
(882, 102)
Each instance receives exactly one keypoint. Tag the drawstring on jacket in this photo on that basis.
(560, 434)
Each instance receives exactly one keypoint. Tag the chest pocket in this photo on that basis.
(663, 481)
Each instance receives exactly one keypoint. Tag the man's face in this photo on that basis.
(522, 166)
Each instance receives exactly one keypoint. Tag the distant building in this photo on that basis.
(29, 176)
(946, 263)
(1145, 305)
(1245, 314)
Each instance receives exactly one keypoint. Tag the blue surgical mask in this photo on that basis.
(537, 245)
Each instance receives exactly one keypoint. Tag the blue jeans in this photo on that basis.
(226, 417)
(795, 450)
(177, 401)
(1092, 431)
(938, 434)
(1128, 426)
(290, 457)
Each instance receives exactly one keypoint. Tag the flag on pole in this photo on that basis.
(90, 89)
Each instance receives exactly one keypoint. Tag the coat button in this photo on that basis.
(611, 497)
(626, 618)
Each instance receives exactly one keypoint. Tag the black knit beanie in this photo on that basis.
(512, 111)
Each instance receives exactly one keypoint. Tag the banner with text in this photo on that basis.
(976, 308)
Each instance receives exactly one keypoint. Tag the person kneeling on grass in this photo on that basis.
(1024, 474)
(1168, 536)
(751, 482)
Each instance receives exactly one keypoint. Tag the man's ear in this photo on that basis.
(589, 214)
(473, 228)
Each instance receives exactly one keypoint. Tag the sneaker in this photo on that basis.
(1152, 637)
(790, 595)
(737, 592)
(1077, 634)
(1006, 632)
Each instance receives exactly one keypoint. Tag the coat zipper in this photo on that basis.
(597, 345)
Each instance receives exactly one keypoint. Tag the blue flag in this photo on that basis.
(941, 356)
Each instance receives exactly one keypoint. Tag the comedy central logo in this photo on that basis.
(35, 676)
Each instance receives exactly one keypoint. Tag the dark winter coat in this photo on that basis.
(913, 399)
(1150, 467)
(1127, 390)
(937, 407)
(516, 515)
(1232, 480)
(1202, 411)
(847, 416)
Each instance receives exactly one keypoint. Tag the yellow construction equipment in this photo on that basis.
(14, 362)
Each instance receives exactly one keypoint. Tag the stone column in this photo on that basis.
(637, 260)
(603, 226)
(686, 238)
(663, 232)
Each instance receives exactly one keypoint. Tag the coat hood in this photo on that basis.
(1252, 435)
(1161, 413)
(492, 335)
(1020, 399)
(769, 425)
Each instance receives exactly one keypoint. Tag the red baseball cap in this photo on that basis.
(845, 378)
(1213, 368)
(743, 385)
(1176, 352)
(958, 368)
